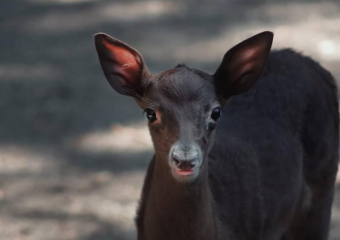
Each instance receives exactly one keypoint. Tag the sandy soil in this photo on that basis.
(72, 152)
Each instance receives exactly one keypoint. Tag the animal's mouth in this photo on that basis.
(184, 173)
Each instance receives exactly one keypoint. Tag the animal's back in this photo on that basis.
(286, 130)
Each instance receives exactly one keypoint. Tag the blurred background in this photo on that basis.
(73, 153)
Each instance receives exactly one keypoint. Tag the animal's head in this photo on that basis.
(183, 105)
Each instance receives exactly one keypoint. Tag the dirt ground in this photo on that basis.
(73, 153)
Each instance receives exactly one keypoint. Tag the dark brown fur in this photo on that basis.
(269, 167)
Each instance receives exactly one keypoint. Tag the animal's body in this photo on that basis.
(267, 170)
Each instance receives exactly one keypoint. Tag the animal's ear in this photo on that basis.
(242, 65)
(122, 65)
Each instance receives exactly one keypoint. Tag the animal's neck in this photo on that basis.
(179, 210)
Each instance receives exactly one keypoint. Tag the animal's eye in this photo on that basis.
(216, 113)
(150, 114)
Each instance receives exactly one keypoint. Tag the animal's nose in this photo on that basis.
(184, 164)
(184, 157)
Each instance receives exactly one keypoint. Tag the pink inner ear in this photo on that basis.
(250, 53)
(125, 62)
(246, 60)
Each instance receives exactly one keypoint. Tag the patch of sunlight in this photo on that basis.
(335, 221)
(110, 12)
(114, 200)
(311, 38)
(28, 72)
(315, 35)
(138, 10)
(119, 138)
(120, 207)
(338, 177)
(122, 214)
(61, 1)
(335, 214)
(19, 160)
(329, 48)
